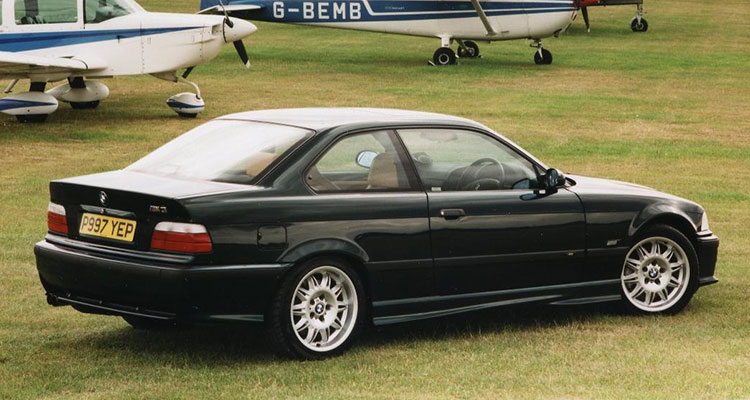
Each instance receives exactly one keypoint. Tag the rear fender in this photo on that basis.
(324, 246)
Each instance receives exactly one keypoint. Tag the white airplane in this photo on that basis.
(54, 40)
(463, 21)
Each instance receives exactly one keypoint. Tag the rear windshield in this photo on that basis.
(222, 151)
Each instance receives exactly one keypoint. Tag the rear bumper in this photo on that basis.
(708, 248)
(117, 284)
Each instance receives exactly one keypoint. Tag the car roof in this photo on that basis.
(323, 118)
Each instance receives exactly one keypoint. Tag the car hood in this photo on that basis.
(588, 185)
(155, 185)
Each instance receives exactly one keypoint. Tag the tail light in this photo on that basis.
(181, 238)
(56, 220)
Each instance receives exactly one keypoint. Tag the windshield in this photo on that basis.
(101, 10)
(222, 151)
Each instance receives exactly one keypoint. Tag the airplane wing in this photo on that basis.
(22, 65)
(482, 16)
(230, 8)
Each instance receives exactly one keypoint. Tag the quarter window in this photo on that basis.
(46, 11)
(365, 162)
(458, 160)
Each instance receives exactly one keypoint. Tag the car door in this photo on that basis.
(491, 230)
(366, 194)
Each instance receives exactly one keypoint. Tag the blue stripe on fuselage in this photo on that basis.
(15, 42)
(318, 11)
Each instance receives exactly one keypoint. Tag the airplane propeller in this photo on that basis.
(238, 44)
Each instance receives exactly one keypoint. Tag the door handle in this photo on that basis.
(452, 213)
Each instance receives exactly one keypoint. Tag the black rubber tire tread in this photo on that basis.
(634, 25)
(674, 234)
(446, 51)
(279, 330)
(32, 118)
(544, 59)
(86, 105)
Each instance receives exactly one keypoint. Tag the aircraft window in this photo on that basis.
(363, 162)
(458, 160)
(46, 11)
(101, 10)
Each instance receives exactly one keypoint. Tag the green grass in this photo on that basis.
(668, 109)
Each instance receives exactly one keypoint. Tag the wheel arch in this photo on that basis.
(348, 251)
(669, 215)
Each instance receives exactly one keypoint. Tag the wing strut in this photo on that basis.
(480, 11)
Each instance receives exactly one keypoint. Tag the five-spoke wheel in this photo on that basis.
(318, 310)
(660, 271)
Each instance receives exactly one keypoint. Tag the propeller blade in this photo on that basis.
(242, 53)
(187, 72)
(585, 12)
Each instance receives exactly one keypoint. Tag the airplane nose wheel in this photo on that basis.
(639, 25)
(444, 56)
(542, 56)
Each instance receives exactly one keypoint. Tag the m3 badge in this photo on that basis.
(157, 209)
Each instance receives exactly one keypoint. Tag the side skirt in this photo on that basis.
(403, 310)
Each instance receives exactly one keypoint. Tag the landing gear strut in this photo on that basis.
(542, 56)
(639, 24)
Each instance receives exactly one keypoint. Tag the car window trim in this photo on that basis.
(395, 140)
(535, 164)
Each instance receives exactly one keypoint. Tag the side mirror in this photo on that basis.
(552, 179)
(365, 158)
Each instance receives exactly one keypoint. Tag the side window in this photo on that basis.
(46, 11)
(364, 162)
(97, 11)
(458, 160)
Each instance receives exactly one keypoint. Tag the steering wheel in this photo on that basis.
(486, 160)
(483, 184)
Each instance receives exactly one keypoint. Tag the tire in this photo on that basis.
(444, 56)
(32, 118)
(151, 324)
(660, 272)
(472, 50)
(86, 105)
(544, 59)
(308, 318)
(636, 27)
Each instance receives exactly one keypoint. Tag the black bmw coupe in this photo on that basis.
(318, 222)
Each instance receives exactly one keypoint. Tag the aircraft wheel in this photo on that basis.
(544, 59)
(32, 118)
(639, 27)
(187, 115)
(444, 56)
(472, 50)
(85, 105)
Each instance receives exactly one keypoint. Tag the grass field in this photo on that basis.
(668, 109)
